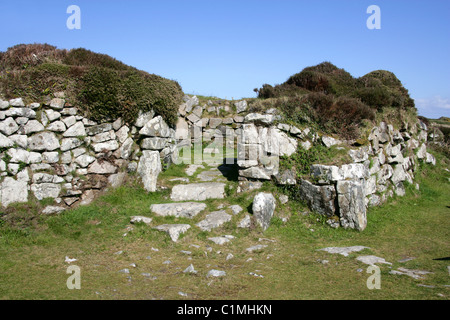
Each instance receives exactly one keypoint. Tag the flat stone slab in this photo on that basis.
(216, 273)
(198, 191)
(257, 247)
(416, 274)
(214, 220)
(372, 260)
(345, 251)
(180, 210)
(221, 240)
(174, 230)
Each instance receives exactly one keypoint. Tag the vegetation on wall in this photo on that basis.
(334, 99)
(101, 86)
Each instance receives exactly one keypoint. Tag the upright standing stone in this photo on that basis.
(149, 168)
(263, 209)
(352, 208)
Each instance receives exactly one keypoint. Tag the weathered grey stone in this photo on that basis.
(398, 174)
(122, 134)
(263, 208)
(52, 115)
(70, 121)
(184, 210)
(53, 210)
(110, 145)
(149, 168)
(236, 209)
(32, 126)
(17, 102)
(84, 160)
(198, 191)
(214, 220)
(4, 104)
(50, 157)
(143, 118)
(264, 119)
(330, 141)
(156, 127)
(352, 208)
(43, 141)
(13, 191)
(345, 251)
(8, 126)
(277, 142)
(70, 143)
(21, 121)
(77, 130)
(57, 103)
(372, 260)
(46, 190)
(241, 106)
(102, 167)
(215, 122)
(190, 103)
(259, 173)
(5, 142)
(117, 179)
(182, 129)
(96, 129)
(327, 174)
(415, 274)
(155, 143)
(245, 222)
(320, 199)
(429, 158)
(103, 136)
(257, 247)
(190, 269)
(245, 186)
(219, 240)
(359, 155)
(216, 273)
(57, 126)
(126, 149)
(20, 112)
(141, 219)
(287, 177)
(174, 230)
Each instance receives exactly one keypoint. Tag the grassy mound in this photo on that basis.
(334, 99)
(101, 86)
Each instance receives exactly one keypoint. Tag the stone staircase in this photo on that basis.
(188, 201)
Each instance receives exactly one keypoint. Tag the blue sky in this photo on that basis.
(226, 48)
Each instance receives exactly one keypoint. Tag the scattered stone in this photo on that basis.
(257, 247)
(229, 257)
(415, 274)
(174, 230)
(406, 259)
(345, 251)
(190, 269)
(141, 219)
(53, 210)
(372, 260)
(126, 271)
(236, 209)
(216, 273)
(219, 240)
(256, 275)
(245, 222)
(214, 220)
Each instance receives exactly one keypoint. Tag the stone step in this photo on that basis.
(198, 191)
(179, 210)
(214, 220)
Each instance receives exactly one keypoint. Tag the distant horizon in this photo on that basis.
(227, 48)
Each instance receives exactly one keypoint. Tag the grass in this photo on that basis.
(32, 254)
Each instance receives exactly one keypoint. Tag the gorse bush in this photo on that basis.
(101, 86)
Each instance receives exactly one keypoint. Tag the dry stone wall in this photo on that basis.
(53, 151)
(343, 193)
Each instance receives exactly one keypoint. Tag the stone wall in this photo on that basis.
(52, 151)
(379, 169)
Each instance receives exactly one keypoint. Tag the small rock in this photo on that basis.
(126, 271)
(190, 269)
(216, 273)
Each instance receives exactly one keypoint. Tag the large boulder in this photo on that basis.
(263, 208)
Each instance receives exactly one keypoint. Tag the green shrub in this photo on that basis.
(103, 87)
